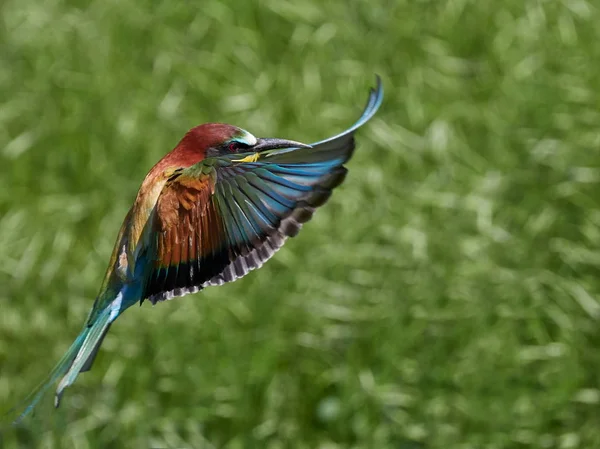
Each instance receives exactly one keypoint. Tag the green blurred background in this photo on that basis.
(446, 297)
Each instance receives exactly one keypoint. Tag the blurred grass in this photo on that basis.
(446, 297)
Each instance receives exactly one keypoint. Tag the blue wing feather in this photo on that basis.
(264, 193)
(373, 103)
(331, 143)
(260, 204)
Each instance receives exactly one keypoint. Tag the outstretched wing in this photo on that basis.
(221, 218)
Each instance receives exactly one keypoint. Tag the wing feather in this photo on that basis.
(219, 219)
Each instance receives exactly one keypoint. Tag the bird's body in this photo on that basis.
(217, 206)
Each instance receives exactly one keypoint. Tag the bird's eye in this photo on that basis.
(235, 147)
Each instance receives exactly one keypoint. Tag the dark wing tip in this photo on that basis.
(374, 101)
(379, 89)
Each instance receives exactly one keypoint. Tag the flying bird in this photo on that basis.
(219, 205)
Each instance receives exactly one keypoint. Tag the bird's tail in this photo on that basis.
(77, 359)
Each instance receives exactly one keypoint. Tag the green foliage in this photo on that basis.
(446, 297)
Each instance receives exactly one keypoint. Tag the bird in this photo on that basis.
(216, 207)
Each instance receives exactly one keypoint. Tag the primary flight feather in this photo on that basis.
(220, 204)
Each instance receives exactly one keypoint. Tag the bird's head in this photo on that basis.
(219, 139)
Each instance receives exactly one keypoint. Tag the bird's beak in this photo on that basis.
(263, 144)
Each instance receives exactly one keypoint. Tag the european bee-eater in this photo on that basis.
(219, 205)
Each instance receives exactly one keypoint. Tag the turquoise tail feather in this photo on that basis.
(78, 358)
(89, 347)
(60, 369)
